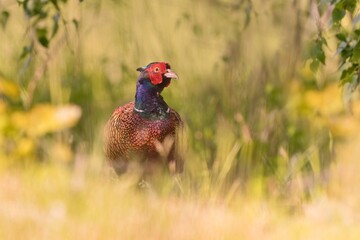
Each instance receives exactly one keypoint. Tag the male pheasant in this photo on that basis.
(139, 130)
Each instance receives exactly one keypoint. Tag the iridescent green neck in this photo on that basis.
(148, 101)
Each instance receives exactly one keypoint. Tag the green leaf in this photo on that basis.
(350, 5)
(341, 37)
(347, 74)
(42, 37)
(38, 8)
(346, 52)
(346, 78)
(357, 32)
(34, 8)
(317, 52)
(338, 14)
(321, 56)
(356, 53)
(4, 17)
(44, 41)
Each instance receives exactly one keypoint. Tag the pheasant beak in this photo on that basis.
(170, 74)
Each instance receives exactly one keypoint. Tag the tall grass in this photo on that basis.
(260, 132)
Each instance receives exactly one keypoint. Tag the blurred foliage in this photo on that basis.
(40, 13)
(339, 20)
(26, 135)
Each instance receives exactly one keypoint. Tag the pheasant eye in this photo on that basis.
(156, 69)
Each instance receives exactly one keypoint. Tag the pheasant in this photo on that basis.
(145, 129)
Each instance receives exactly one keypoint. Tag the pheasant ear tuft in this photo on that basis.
(140, 69)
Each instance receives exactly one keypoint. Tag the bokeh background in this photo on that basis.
(271, 147)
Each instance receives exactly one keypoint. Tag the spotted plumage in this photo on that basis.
(137, 130)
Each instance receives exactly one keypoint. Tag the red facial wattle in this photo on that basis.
(158, 70)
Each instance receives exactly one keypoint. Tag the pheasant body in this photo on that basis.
(135, 130)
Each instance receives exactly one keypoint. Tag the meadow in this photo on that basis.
(271, 148)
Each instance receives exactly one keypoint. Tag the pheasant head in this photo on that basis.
(152, 80)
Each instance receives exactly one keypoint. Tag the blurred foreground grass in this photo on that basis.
(46, 202)
(261, 129)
